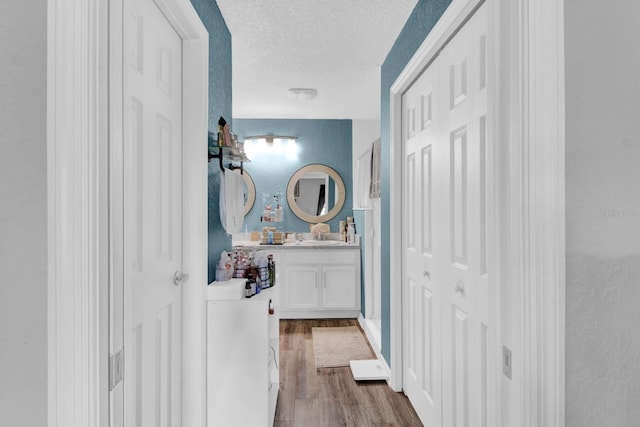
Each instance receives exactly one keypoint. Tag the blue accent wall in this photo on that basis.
(422, 19)
(328, 142)
(220, 103)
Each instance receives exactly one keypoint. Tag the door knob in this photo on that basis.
(459, 288)
(179, 278)
(426, 274)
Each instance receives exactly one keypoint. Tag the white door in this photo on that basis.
(445, 282)
(421, 287)
(152, 181)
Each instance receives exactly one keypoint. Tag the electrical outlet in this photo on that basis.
(506, 361)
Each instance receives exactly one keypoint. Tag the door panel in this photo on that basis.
(445, 290)
(152, 187)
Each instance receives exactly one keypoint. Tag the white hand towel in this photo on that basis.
(231, 201)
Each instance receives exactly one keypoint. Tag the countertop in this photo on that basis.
(305, 244)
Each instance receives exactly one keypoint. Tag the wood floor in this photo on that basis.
(330, 396)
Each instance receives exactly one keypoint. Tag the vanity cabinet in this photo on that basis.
(320, 283)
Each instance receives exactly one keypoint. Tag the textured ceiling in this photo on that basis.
(334, 46)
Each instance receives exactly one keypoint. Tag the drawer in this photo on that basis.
(322, 256)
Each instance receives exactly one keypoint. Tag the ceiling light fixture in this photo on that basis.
(303, 93)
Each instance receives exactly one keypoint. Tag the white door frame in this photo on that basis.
(526, 202)
(79, 137)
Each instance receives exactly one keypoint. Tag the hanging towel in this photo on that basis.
(231, 201)
(374, 185)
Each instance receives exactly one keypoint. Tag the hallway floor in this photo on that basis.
(331, 397)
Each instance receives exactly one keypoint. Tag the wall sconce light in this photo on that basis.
(255, 146)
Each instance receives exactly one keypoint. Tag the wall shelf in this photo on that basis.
(232, 154)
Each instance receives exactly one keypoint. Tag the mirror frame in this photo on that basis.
(340, 192)
(251, 189)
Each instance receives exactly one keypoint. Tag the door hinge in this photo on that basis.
(116, 369)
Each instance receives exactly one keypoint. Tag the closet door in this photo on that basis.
(422, 293)
(445, 276)
(464, 273)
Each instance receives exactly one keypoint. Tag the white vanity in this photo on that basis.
(322, 282)
(317, 279)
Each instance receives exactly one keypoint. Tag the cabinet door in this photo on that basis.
(339, 290)
(301, 291)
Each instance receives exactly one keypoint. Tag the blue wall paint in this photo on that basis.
(328, 142)
(220, 103)
(422, 19)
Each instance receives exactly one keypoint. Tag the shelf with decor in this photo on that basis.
(273, 207)
(231, 154)
(227, 147)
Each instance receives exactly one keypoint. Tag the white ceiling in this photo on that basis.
(334, 46)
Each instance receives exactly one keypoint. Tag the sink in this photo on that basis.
(321, 242)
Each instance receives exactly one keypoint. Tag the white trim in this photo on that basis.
(77, 212)
(196, 57)
(373, 333)
(395, 241)
(319, 314)
(499, 185)
(526, 202)
(541, 169)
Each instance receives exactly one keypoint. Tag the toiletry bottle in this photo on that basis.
(252, 284)
(247, 289)
(351, 233)
(271, 266)
(221, 123)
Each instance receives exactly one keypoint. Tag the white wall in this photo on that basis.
(602, 213)
(23, 213)
(364, 133)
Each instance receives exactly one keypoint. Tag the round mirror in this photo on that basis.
(315, 193)
(249, 191)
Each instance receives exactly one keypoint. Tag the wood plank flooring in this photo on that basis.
(330, 396)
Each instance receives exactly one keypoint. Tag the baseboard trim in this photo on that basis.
(320, 314)
(373, 334)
